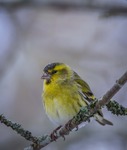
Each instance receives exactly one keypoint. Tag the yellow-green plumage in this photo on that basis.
(62, 107)
(64, 93)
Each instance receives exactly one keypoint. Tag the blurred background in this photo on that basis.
(88, 35)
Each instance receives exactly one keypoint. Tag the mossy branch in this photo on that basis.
(84, 115)
(17, 127)
(116, 108)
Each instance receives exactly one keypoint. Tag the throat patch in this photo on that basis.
(48, 81)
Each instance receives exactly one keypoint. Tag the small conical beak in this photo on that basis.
(45, 76)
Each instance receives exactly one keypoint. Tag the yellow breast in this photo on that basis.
(61, 102)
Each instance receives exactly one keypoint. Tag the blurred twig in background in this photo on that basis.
(106, 9)
(84, 115)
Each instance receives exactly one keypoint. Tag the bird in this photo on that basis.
(65, 93)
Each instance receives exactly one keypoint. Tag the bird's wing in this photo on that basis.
(85, 91)
(84, 87)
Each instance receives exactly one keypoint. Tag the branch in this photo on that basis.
(17, 127)
(84, 115)
(109, 94)
(116, 108)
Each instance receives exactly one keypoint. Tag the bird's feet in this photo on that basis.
(68, 126)
(54, 133)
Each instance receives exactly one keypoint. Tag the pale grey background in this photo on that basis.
(95, 47)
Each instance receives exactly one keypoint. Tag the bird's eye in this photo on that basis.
(54, 71)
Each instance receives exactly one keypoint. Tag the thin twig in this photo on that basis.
(116, 108)
(109, 94)
(17, 127)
